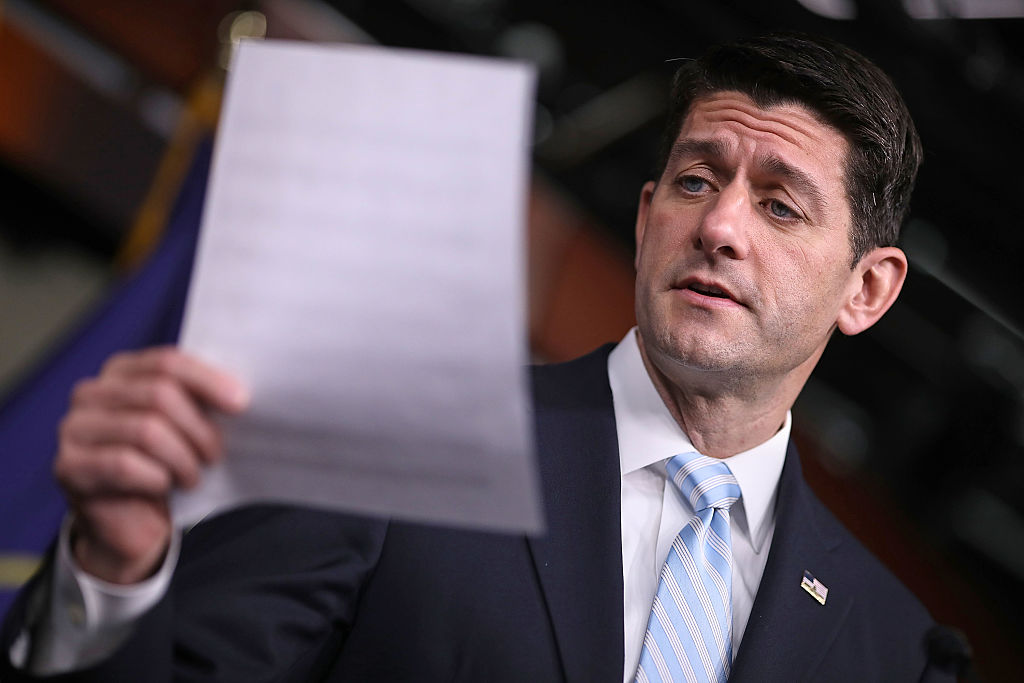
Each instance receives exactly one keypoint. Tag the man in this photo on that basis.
(785, 172)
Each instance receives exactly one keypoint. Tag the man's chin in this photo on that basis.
(706, 363)
(695, 354)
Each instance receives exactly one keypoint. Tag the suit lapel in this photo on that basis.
(579, 560)
(784, 614)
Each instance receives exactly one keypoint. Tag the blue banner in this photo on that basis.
(143, 310)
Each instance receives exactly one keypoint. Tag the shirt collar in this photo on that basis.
(648, 434)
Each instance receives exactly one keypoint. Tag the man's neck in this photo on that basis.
(721, 420)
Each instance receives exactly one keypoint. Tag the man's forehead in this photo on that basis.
(782, 138)
(786, 121)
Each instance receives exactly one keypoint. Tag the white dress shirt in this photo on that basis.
(87, 619)
(653, 514)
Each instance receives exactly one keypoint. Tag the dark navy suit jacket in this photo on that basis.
(272, 593)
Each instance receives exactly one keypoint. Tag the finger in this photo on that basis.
(211, 385)
(148, 432)
(86, 472)
(160, 394)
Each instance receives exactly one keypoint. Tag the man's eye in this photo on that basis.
(692, 183)
(780, 210)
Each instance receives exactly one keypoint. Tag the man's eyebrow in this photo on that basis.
(716, 150)
(802, 182)
(692, 147)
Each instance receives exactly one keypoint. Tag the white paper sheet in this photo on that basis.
(361, 268)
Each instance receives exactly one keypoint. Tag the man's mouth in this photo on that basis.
(708, 290)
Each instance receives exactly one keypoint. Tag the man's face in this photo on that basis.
(743, 246)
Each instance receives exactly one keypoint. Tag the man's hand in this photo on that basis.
(132, 435)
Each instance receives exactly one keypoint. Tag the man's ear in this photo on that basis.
(642, 209)
(874, 285)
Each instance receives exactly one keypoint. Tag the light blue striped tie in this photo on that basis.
(689, 632)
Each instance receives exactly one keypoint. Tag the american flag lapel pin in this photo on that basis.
(815, 588)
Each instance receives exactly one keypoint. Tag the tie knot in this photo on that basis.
(705, 482)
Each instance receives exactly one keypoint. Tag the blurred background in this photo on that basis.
(913, 432)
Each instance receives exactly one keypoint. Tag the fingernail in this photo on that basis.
(238, 396)
(241, 396)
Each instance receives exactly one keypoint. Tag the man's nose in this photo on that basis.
(723, 229)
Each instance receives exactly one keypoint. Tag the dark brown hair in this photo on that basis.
(845, 90)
